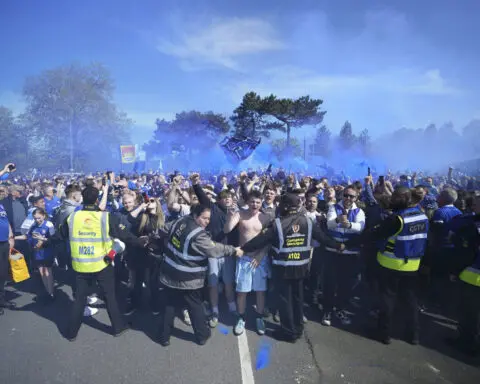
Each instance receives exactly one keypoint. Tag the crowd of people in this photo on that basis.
(181, 240)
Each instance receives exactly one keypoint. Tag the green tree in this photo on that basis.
(193, 130)
(257, 116)
(321, 144)
(430, 133)
(286, 114)
(281, 150)
(249, 117)
(346, 138)
(14, 139)
(364, 141)
(71, 113)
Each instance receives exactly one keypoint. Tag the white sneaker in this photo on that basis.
(239, 327)
(327, 319)
(92, 300)
(89, 311)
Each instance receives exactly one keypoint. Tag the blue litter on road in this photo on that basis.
(223, 330)
(263, 355)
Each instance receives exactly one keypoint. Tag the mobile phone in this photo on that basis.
(146, 199)
(369, 171)
(381, 180)
(104, 181)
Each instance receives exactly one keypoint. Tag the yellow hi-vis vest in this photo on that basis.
(89, 240)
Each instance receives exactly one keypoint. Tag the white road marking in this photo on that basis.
(245, 360)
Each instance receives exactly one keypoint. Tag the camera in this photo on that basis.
(11, 167)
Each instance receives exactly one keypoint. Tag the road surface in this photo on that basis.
(34, 351)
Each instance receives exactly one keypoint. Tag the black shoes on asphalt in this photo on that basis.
(117, 334)
(7, 305)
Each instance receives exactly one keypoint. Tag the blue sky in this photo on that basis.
(380, 64)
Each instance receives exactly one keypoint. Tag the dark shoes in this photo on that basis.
(131, 308)
(122, 331)
(164, 342)
(202, 341)
(8, 305)
(282, 336)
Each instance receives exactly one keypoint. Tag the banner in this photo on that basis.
(127, 153)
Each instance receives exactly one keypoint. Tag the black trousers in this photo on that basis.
(469, 316)
(392, 284)
(4, 268)
(84, 284)
(290, 305)
(340, 273)
(179, 299)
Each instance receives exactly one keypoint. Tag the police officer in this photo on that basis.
(184, 270)
(90, 233)
(6, 242)
(466, 239)
(291, 238)
(399, 259)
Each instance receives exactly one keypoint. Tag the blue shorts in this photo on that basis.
(250, 279)
(222, 268)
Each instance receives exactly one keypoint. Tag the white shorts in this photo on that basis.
(250, 279)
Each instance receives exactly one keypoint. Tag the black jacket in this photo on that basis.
(7, 204)
(217, 220)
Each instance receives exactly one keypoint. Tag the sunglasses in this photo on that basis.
(349, 196)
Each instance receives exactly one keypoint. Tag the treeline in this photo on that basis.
(72, 121)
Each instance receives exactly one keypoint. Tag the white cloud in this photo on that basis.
(221, 43)
(432, 83)
(290, 81)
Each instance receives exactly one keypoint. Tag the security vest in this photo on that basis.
(291, 254)
(403, 251)
(471, 275)
(342, 235)
(183, 267)
(89, 240)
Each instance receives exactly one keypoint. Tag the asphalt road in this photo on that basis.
(33, 351)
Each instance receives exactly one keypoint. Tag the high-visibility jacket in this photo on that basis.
(89, 240)
(292, 252)
(404, 250)
(471, 275)
(183, 267)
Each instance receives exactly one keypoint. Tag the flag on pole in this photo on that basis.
(127, 153)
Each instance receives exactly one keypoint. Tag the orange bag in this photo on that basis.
(18, 266)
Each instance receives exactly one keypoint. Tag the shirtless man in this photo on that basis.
(252, 270)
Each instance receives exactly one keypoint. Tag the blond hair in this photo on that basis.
(147, 219)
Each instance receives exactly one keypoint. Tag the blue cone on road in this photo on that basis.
(263, 355)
